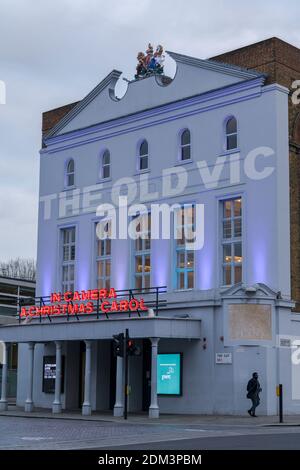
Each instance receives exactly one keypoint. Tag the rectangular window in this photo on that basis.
(68, 258)
(232, 258)
(103, 260)
(142, 256)
(184, 227)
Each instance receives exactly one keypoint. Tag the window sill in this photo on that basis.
(230, 152)
(69, 188)
(184, 290)
(104, 180)
(224, 287)
(141, 172)
(183, 162)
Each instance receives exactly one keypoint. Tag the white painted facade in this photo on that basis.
(202, 96)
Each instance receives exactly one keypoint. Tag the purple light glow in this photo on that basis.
(83, 280)
(120, 275)
(205, 261)
(205, 275)
(260, 264)
(44, 281)
(160, 262)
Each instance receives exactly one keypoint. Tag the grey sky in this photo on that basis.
(53, 53)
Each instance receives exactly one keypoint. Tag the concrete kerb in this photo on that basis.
(169, 420)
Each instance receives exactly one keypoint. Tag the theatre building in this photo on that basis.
(213, 143)
(12, 289)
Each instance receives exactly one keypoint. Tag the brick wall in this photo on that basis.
(52, 117)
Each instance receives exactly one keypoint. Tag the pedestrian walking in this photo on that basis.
(253, 389)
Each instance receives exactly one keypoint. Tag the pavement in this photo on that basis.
(41, 430)
(142, 418)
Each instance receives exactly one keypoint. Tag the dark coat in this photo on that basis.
(253, 388)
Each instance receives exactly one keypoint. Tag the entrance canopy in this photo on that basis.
(139, 327)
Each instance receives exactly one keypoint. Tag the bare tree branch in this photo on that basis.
(19, 268)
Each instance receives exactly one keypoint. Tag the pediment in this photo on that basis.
(193, 77)
(255, 290)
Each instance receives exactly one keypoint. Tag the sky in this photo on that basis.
(54, 53)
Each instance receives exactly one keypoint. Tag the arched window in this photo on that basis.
(231, 134)
(70, 173)
(106, 164)
(143, 159)
(185, 145)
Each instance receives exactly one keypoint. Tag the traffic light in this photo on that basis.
(118, 344)
(132, 349)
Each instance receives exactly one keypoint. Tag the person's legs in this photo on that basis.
(252, 409)
(255, 402)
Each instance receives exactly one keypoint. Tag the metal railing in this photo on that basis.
(154, 303)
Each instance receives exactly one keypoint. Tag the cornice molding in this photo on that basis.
(111, 79)
(216, 66)
(253, 86)
(277, 87)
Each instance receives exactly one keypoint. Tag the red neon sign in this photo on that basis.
(78, 302)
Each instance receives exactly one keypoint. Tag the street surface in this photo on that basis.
(56, 433)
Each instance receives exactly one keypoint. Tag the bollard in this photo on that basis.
(280, 396)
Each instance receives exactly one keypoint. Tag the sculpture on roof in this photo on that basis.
(149, 54)
(150, 63)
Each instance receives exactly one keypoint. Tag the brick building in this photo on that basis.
(218, 310)
(281, 62)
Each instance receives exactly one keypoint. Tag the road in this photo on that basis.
(281, 441)
(65, 434)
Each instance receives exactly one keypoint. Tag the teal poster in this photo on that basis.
(168, 374)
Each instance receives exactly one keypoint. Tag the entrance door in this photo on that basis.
(81, 373)
(146, 374)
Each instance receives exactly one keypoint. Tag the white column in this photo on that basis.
(86, 407)
(3, 401)
(154, 409)
(29, 399)
(119, 405)
(56, 406)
